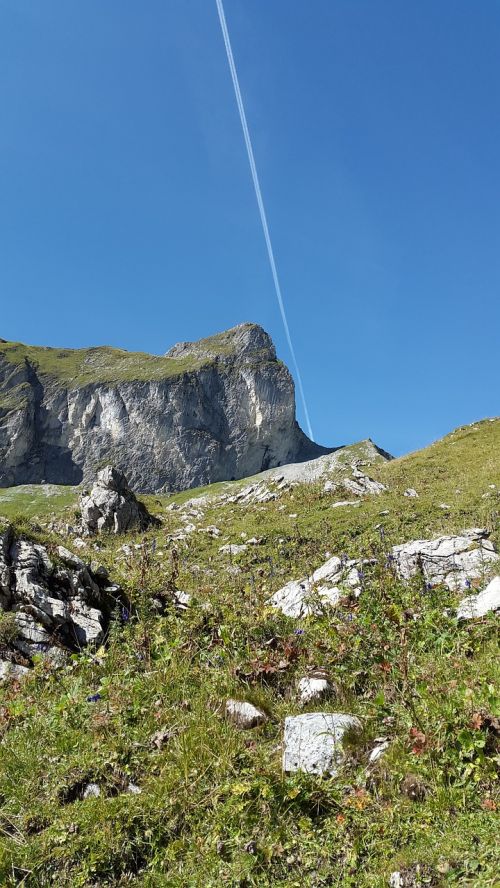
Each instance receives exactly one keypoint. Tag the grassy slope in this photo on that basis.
(211, 790)
(104, 364)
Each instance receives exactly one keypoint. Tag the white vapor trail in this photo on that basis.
(260, 203)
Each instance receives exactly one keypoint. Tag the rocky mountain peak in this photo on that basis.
(241, 342)
(214, 410)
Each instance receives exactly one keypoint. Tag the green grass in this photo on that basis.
(215, 808)
(80, 367)
(36, 500)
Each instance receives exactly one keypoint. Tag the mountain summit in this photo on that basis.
(218, 409)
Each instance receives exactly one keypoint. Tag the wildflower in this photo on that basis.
(299, 632)
(467, 584)
(125, 615)
(93, 698)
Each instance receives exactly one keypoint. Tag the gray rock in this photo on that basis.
(11, 671)
(111, 506)
(313, 742)
(362, 485)
(91, 791)
(343, 503)
(310, 595)
(378, 751)
(411, 493)
(53, 606)
(312, 688)
(215, 410)
(452, 560)
(70, 559)
(479, 605)
(233, 549)
(244, 715)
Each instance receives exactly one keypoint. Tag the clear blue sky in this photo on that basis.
(128, 218)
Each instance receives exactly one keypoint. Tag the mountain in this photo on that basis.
(156, 682)
(219, 409)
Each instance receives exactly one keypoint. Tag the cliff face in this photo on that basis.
(213, 410)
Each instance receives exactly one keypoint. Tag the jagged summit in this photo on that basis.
(243, 340)
(218, 409)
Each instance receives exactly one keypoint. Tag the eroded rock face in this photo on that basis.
(209, 411)
(313, 742)
(452, 560)
(54, 607)
(111, 506)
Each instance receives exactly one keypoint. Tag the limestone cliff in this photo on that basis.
(217, 409)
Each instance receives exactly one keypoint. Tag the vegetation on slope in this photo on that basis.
(214, 807)
(80, 367)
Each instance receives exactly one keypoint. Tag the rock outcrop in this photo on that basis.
(111, 506)
(48, 607)
(310, 595)
(208, 411)
(452, 560)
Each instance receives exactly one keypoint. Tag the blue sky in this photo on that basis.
(128, 218)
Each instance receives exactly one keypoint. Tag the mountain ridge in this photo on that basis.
(218, 409)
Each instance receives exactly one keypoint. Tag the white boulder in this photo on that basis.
(313, 688)
(478, 605)
(313, 742)
(244, 715)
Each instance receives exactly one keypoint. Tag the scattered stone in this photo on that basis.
(244, 715)
(411, 492)
(416, 876)
(300, 598)
(133, 789)
(233, 549)
(444, 506)
(91, 791)
(313, 742)
(11, 671)
(452, 560)
(182, 600)
(362, 485)
(78, 543)
(112, 507)
(378, 751)
(313, 688)
(478, 605)
(212, 530)
(233, 570)
(343, 503)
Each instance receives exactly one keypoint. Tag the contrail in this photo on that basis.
(260, 203)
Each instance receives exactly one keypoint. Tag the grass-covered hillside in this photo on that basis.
(103, 364)
(185, 798)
